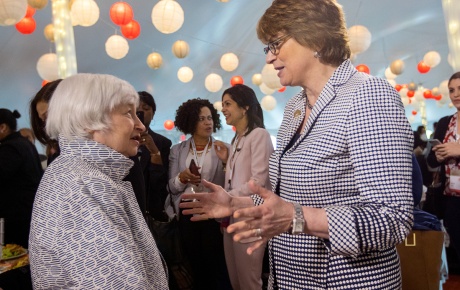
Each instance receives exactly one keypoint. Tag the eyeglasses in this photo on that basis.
(275, 45)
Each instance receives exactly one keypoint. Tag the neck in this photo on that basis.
(315, 83)
(200, 141)
(241, 126)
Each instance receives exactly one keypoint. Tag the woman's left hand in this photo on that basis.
(273, 217)
(447, 150)
(148, 142)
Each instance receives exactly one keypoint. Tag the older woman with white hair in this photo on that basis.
(87, 230)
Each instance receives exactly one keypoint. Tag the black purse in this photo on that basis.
(435, 201)
(168, 239)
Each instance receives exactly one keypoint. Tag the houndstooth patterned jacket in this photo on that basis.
(87, 230)
(354, 160)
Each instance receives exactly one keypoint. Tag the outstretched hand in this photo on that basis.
(273, 217)
(206, 205)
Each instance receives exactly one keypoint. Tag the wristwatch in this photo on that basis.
(298, 222)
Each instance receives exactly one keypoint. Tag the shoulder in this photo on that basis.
(160, 138)
(259, 133)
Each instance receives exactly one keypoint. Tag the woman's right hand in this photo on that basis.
(447, 150)
(221, 151)
(188, 177)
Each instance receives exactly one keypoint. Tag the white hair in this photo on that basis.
(82, 104)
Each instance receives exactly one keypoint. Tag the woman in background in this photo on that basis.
(87, 230)
(202, 241)
(20, 174)
(247, 159)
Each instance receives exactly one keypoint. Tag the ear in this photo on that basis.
(2, 128)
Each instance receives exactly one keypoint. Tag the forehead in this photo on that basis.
(204, 111)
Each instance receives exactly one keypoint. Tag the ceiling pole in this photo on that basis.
(63, 38)
(451, 12)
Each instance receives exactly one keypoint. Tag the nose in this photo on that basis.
(270, 57)
(138, 125)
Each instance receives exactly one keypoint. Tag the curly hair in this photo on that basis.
(316, 24)
(43, 95)
(188, 114)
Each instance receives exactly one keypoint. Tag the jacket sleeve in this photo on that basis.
(438, 134)
(174, 168)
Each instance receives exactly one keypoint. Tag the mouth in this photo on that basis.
(136, 138)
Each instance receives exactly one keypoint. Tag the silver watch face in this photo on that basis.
(297, 226)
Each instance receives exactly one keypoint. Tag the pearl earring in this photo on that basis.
(317, 55)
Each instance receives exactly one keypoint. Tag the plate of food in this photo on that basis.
(12, 251)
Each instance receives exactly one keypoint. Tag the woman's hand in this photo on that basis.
(214, 204)
(221, 151)
(447, 150)
(273, 217)
(188, 177)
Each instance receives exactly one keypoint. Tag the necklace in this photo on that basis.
(308, 101)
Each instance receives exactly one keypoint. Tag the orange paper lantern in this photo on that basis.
(398, 87)
(121, 13)
(282, 89)
(363, 68)
(438, 97)
(30, 11)
(423, 68)
(236, 80)
(168, 124)
(131, 30)
(427, 94)
(26, 25)
(410, 94)
(414, 113)
(44, 82)
(233, 129)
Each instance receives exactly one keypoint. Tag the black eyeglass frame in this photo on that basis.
(275, 45)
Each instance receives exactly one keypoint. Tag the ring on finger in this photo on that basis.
(258, 232)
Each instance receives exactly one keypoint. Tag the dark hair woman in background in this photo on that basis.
(20, 174)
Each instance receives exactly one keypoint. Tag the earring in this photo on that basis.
(317, 55)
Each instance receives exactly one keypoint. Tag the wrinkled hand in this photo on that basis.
(273, 217)
(188, 176)
(221, 151)
(446, 150)
(213, 204)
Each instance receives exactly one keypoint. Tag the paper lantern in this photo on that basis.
(391, 82)
(30, 11)
(86, 12)
(47, 67)
(116, 46)
(168, 124)
(282, 89)
(182, 137)
(405, 101)
(26, 25)
(121, 13)
(397, 67)
(185, 74)
(213, 82)
(432, 58)
(403, 92)
(180, 49)
(410, 94)
(270, 77)
(268, 103)
(422, 67)
(414, 112)
(389, 75)
(154, 60)
(229, 61)
(131, 30)
(236, 80)
(266, 90)
(257, 79)
(167, 16)
(435, 91)
(218, 106)
(412, 86)
(444, 88)
(398, 87)
(37, 4)
(363, 68)
(12, 11)
(360, 39)
(44, 82)
(223, 1)
(49, 32)
(427, 94)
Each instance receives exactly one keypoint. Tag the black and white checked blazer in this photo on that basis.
(354, 160)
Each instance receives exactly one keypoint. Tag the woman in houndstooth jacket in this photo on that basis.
(341, 171)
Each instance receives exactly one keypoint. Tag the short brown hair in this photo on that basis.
(316, 24)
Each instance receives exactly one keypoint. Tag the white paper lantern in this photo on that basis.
(12, 11)
(218, 106)
(389, 75)
(116, 46)
(213, 82)
(185, 74)
(167, 16)
(353, 57)
(47, 67)
(411, 119)
(403, 92)
(432, 58)
(180, 49)
(270, 77)
(418, 95)
(405, 101)
(266, 90)
(49, 32)
(85, 12)
(392, 82)
(444, 88)
(154, 60)
(257, 79)
(360, 39)
(268, 103)
(229, 61)
(37, 4)
(435, 91)
(397, 67)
